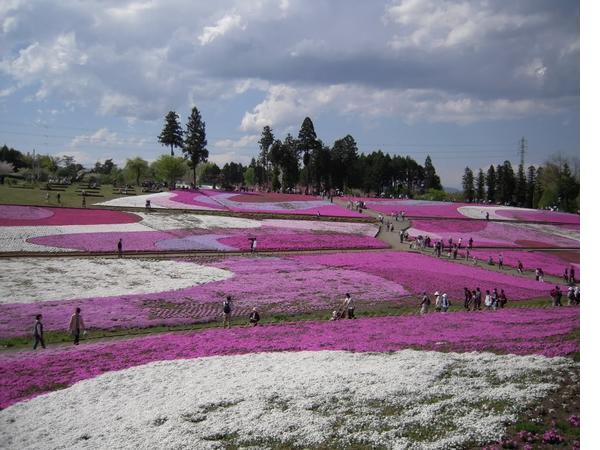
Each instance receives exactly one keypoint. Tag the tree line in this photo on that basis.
(551, 185)
(306, 162)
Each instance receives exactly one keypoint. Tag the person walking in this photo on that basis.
(120, 248)
(577, 296)
(58, 198)
(571, 295)
(425, 302)
(500, 261)
(541, 275)
(556, 295)
(468, 298)
(349, 306)
(83, 205)
(537, 274)
(520, 267)
(572, 275)
(254, 317)
(502, 299)
(38, 332)
(470, 243)
(227, 308)
(438, 301)
(477, 301)
(76, 326)
(566, 275)
(495, 299)
(254, 244)
(488, 299)
(445, 302)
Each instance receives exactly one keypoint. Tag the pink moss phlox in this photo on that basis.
(520, 331)
(11, 215)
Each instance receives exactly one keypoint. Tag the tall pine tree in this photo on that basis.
(265, 143)
(432, 181)
(468, 185)
(480, 189)
(490, 181)
(171, 135)
(195, 141)
(307, 142)
(521, 190)
(529, 196)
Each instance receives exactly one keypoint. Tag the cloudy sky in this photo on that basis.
(462, 81)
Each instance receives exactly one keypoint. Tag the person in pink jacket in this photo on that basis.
(76, 326)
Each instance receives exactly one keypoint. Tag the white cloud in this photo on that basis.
(430, 24)
(243, 142)
(223, 26)
(43, 59)
(9, 24)
(130, 11)
(286, 105)
(104, 138)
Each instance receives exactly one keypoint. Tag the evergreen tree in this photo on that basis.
(432, 181)
(480, 189)
(171, 135)
(509, 182)
(307, 142)
(490, 181)
(538, 190)
(521, 188)
(530, 188)
(265, 142)
(195, 141)
(468, 185)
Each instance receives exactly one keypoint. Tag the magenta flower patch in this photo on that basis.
(519, 331)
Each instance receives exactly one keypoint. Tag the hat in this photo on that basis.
(436, 293)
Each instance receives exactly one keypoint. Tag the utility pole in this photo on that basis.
(522, 149)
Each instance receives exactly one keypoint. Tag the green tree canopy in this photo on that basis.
(137, 167)
(169, 168)
(172, 134)
(195, 141)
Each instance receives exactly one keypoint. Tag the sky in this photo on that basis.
(461, 81)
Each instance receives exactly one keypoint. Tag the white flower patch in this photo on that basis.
(157, 200)
(162, 221)
(564, 232)
(29, 280)
(364, 229)
(407, 399)
(13, 239)
(478, 212)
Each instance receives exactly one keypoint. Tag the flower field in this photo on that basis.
(495, 234)
(208, 199)
(552, 263)
(303, 399)
(456, 210)
(516, 331)
(291, 284)
(172, 231)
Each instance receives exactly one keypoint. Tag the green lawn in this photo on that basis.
(70, 197)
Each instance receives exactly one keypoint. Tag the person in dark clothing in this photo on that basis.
(470, 242)
(227, 307)
(254, 317)
(566, 275)
(38, 332)
(520, 267)
(572, 275)
(120, 248)
(503, 300)
(477, 300)
(468, 298)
